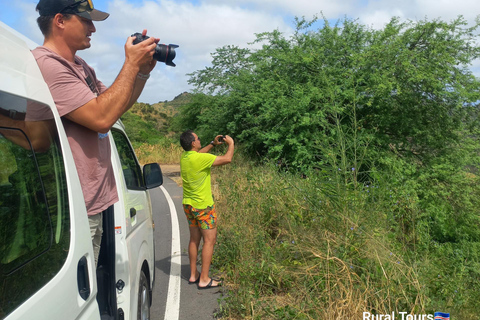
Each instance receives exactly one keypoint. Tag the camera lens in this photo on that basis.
(166, 54)
(163, 53)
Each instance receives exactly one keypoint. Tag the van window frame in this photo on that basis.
(128, 162)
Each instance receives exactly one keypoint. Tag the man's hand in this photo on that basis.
(140, 55)
(228, 140)
(220, 139)
(227, 157)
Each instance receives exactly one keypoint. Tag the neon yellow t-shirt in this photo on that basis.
(195, 171)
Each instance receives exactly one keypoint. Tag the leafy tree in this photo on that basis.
(406, 88)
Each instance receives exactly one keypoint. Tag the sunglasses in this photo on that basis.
(80, 6)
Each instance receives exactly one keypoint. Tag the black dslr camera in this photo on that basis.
(163, 53)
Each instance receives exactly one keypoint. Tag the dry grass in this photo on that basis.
(168, 154)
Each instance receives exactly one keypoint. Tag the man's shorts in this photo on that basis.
(203, 218)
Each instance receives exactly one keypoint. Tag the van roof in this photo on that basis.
(19, 72)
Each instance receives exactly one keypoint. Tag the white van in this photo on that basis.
(47, 268)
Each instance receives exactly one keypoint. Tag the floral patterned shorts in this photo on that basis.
(203, 218)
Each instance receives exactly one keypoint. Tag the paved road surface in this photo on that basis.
(185, 301)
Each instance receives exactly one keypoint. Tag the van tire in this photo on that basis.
(143, 309)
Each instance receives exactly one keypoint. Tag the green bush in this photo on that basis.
(406, 88)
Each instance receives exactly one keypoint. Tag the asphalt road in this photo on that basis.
(194, 304)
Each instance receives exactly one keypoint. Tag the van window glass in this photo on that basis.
(131, 169)
(34, 210)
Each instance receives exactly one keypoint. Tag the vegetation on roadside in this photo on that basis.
(317, 248)
(354, 188)
(149, 129)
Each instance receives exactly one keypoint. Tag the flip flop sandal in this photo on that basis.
(209, 285)
(196, 281)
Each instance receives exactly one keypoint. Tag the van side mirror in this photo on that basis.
(152, 175)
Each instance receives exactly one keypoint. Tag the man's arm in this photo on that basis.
(228, 156)
(101, 113)
(141, 81)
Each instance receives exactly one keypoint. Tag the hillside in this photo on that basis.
(172, 106)
(146, 123)
(160, 114)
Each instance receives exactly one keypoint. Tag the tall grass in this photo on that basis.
(165, 153)
(291, 251)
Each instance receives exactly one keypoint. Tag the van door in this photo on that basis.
(135, 230)
(39, 276)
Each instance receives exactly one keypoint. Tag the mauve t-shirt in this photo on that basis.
(91, 150)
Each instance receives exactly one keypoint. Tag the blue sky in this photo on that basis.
(201, 26)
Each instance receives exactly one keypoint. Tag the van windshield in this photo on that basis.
(34, 214)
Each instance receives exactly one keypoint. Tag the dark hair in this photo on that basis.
(186, 140)
(45, 22)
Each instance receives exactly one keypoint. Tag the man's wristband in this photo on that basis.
(213, 144)
(143, 76)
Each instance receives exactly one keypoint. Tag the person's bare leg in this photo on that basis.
(209, 239)
(195, 238)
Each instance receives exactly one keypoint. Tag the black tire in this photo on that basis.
(143, 309)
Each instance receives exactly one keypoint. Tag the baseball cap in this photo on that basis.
(82, 8)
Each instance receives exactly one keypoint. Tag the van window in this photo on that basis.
(34, 210)
(131, 168)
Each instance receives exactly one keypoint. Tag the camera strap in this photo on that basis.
(91, 84)
(89, 79)
(94, 89)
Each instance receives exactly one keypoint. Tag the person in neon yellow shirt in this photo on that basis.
(198, 204)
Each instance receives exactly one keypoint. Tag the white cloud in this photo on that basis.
(378, 12)
(448, 9)
(307, 8)
(379, 18)
(199, 27)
